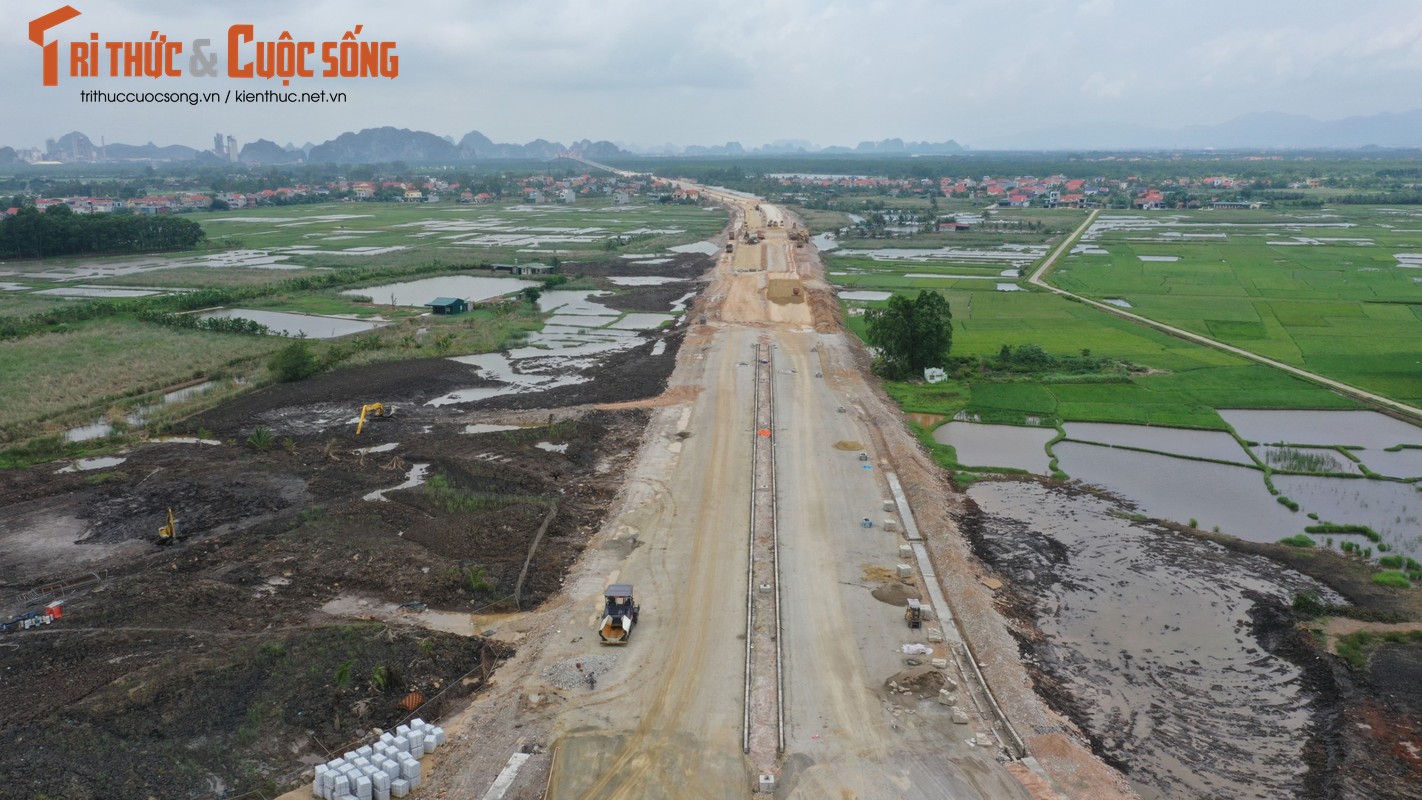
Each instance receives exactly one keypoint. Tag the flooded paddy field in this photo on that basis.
(1211, 481)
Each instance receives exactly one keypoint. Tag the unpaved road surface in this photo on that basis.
(665, 720)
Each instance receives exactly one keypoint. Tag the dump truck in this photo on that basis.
(619, 614)
(913, 615)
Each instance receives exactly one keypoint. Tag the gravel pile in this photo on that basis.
(573, 673)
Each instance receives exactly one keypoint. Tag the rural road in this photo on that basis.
(1039, 278)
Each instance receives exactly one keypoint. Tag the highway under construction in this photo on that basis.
(775, 523)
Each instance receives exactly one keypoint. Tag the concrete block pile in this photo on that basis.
(388, 768)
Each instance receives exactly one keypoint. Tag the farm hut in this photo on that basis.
(448, 305)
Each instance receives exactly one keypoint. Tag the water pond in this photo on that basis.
(311, 326)
(865, 295)
(1233, 499)
(1216, 445)
(997, 445)
(417, 293)
(1367, 429)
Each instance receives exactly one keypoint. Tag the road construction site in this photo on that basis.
(737, 469)
(775, 523)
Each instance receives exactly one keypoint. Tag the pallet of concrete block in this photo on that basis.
(387, 768)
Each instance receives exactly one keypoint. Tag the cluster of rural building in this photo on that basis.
(1054, 191)
(536, 189)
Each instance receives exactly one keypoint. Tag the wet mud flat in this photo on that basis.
(1169, 653)
(1179, 658)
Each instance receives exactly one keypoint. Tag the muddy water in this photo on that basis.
(1232, 499)
(1216, 445)
(312, 326)
(1360, 428)
(1392, 509)
(1149, 636)
(998, 445)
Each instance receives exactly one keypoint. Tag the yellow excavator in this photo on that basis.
(373, 409)
(800, 234)
(169, 532)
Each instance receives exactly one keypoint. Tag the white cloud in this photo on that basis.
(833, 72)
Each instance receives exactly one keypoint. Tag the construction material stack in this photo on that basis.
(388, 768)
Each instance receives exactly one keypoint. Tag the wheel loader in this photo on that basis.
(619, 614)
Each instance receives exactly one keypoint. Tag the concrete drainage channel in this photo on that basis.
(961, 649)
(763, 731)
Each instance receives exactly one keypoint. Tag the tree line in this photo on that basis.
(58, 231)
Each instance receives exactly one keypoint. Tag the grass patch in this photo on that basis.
(1392, 578)
(1353, 647)
(1361, 530)
(1298, 540)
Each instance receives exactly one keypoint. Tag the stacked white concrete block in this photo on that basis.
(387, 768)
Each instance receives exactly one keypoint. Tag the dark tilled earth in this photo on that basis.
(209, 665)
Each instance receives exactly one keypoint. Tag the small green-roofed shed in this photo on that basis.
(448, 305)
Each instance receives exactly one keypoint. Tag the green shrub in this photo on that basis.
(1392, 578)
(1392, 562)
(293, 362)
(1308, 604)
(260, 440)
(1298, 540)
(1287, 503)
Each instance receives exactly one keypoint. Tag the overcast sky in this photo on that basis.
(705, 72)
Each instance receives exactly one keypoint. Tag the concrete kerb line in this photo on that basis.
(952, 633)
(750, 559)
(775, 565)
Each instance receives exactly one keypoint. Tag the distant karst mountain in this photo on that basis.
(369, 146)
(1258, 130)
(264, 151)
(802, 147)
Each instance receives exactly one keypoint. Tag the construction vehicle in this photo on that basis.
(729, 245)
(377, 409)
(914, 613)
(619, 614)
(799, 235)
(169, 532)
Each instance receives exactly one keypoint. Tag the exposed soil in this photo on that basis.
(209, 665)
(1365, 735)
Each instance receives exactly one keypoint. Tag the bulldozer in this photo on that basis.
(376, 409)
(619, 614)
(169, 532)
